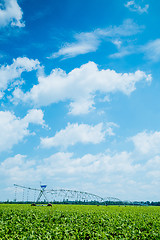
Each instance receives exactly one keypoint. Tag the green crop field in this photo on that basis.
(79, 222)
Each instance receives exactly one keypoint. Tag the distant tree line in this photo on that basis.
(134, 203)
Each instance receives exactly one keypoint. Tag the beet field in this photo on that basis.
(79, 222)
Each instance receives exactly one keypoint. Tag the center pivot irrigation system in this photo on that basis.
(28, 194)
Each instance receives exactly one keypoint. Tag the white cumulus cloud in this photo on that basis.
(11, 13)
(79, 133)
(80, 86)
(14, 129)
(75, 133)
(116, 174)
(11, 73)
(17, 168)
(147, 142)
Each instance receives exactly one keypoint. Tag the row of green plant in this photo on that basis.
(79, 222)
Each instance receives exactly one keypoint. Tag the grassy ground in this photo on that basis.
(79, 222)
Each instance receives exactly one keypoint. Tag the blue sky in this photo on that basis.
(79, 92)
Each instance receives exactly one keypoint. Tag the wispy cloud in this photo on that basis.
(134, 7)
(11, 13)
(124, 51)
(150, 50)
(86, 42)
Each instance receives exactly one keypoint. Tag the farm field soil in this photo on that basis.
(79, 222)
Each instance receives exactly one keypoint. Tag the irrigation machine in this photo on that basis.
(43, 195)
